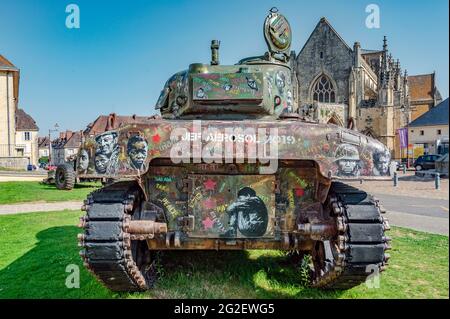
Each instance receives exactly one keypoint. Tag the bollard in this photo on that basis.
(437, 181)
(395, 179)
(404, 168)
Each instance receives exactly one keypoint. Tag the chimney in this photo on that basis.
(357, 54)
(111, 122)
(62, 135)
(69, 134)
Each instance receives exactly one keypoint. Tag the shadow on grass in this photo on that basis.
(41, 273)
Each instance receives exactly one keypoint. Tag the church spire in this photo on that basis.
(384, 64)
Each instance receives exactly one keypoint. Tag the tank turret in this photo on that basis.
(258, 87)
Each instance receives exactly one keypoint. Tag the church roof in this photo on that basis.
(366, 51)
(421, 87)
(24, 122)
(323, 21)
(438, 115)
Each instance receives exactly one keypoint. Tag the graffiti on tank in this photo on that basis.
(248, 215)
(174, 213)
(162, 187)
(163, 179)
(115, 152)
(107, 153)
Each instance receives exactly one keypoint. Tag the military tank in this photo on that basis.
(231, 164)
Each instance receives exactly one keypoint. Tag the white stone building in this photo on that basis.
(18, 130)
(429, 132)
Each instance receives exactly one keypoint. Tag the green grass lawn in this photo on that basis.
(36, 248)
(17, 192)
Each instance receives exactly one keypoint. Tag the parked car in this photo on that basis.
(425, 162)
(399, 165)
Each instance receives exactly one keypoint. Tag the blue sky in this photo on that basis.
(124, 51)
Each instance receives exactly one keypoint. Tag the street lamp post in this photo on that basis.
(50, 142)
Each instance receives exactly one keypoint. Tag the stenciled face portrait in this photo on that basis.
(83, 160)
(137, 151)
(381, 163)
(347, 160)
(101, 163)
(106, 143)
(248, 214)
(347, 166)
(280, 80)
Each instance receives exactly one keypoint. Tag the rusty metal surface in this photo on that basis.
(147, 227)
(222, 244)
(129, 151)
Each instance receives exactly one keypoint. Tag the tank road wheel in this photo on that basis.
(358, 249)
(64, 177)
(117, 258)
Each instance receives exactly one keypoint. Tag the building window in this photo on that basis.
(422, 132)
(321, 54)
(323, 90)
(439, 132)
(19, 151)
(27, 136)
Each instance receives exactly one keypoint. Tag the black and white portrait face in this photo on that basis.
(347, 166)
(137, 151)
(101, 163)
(200, 93)
(347, 160)
(381, 161)
(83, 160)
(280, 81)
(106, 143)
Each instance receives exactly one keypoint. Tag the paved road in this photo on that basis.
(24, 173)
(39, 207)
(425, 214)
(10, 176)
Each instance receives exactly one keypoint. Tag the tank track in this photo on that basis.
(109, 252)
(361, 244)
